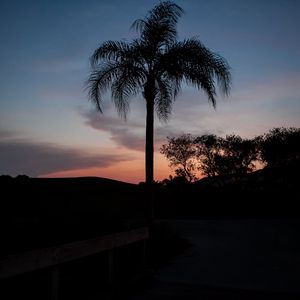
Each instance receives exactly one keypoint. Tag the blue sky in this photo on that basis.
(49, 128)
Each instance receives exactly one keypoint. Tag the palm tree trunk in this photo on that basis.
(149, 159)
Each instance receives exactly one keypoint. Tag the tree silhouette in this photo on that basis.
(181, 153)
(210, 154)
(155, 64)
(238, 155)
(209, 148)
(223, 156)
(279, 146)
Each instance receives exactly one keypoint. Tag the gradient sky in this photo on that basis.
(48, 128)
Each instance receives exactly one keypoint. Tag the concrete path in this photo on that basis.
(240, 259)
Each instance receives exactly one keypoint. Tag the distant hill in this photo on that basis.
(47, 211)
(61, 196)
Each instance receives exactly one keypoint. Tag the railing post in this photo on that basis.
(110, 267)
(54, 282)
(144, 253)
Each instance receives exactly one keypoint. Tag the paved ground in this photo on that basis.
(240, 259)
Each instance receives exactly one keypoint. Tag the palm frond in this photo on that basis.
(222, 73)
(138, 25)
(159, 26)
(99, 81)
(200, 67)
(109, 50)
(163, 100)
(166, 12)
(129, 83)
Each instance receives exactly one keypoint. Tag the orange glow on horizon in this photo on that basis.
(127, 171)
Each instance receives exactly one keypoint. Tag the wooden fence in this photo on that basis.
(54, 256)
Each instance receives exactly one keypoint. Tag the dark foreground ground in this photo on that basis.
(244, 235)
(231, 259)
(226, 259)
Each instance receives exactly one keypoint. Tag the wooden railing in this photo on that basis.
(54, 256)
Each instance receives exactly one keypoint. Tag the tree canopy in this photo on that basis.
(211, 155)
(181, 153)
(232, 155)
(279, 145)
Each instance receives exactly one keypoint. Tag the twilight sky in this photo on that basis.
(48, 128)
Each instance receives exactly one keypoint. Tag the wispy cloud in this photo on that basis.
(7, 134)
(18, 156)
(127, 134)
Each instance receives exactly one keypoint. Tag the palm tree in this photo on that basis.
(155, 64)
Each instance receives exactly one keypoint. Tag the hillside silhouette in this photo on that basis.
(38, 212)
